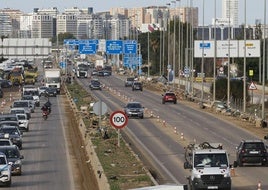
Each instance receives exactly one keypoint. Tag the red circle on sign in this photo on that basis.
(118, 119)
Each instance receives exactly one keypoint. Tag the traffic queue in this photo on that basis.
(15, 121)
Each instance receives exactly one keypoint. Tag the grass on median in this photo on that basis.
(121, 166)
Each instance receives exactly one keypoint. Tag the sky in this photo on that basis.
(254, 8)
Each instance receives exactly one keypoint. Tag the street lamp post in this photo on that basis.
(244, 67)
(168, 37)
(202, 64)
(263, 64)
(215, 50)
(174, 44)
(228, 70)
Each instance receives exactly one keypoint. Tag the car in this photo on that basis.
(42, 90)
(51, 92)
(31, 90)
(5, 140)
(134, 109)
(251, 152)
(14, 133)
(31, 99)
(169, 97)
(5, 169)
(26, 104)
(137, 85)
(129, 81)
(8, 117)
(23, 121)
(94, 72)
(15, 111)
(14, 157)
(95, 85)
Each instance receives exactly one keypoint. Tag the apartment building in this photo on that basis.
(67, 23)
(42, 26)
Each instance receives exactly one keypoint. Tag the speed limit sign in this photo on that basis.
(118, 119)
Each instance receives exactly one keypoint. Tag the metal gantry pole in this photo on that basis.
(228, 66)
(263, 64)
(244, 68)
(215, 53)
(174, 45)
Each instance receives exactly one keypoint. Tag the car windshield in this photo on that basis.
(4, 142)
(21, 117)
(170, 94)
(20, 104)
(11, 131)
(211, 160)
(134, 105)
(11, 153)
(254, 145)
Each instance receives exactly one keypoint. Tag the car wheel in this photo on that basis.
(163, 102)
(175, 102)
(8, 183)
(141, 117)
(240, 163)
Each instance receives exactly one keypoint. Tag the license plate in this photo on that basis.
(212, 187)
(254, 152)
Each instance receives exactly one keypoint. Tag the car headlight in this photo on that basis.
(18, 139)
(18, 162)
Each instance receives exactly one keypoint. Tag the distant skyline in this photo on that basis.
(255, 8)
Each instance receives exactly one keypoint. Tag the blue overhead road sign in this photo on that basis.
(130, 47)
(114, 46)
(87, 48)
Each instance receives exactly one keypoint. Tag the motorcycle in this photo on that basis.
(45, 115)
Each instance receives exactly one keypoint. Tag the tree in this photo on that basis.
(236, 89)
(61, 37)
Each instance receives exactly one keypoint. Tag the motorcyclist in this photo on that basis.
(48, 105)
(44, 108)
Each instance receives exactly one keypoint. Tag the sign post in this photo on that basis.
(118, 120)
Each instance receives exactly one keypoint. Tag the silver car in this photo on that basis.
(134, 109)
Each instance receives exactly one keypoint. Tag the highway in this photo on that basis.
(162, 147)
(46, 163)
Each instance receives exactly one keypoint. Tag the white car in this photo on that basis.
(23, 121)
(5, 170)
(21, 110)
(42, 90)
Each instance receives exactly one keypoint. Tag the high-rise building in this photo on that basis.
(230, 11)
(67, 23)
(25, 25)
(42, 26)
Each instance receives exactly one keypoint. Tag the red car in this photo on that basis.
(169, 97)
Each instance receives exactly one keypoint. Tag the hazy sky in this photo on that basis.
(254, 10)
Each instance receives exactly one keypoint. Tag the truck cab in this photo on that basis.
(209, 167)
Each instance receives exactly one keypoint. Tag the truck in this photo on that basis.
(52, 78)
(99, 64)
(81, 70)
(209, 166)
